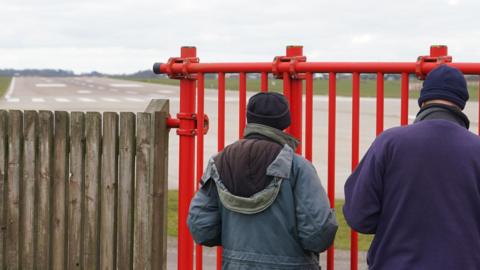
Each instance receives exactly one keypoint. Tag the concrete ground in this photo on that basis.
(342, 258)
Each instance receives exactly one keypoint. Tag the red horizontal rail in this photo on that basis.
(320, 67)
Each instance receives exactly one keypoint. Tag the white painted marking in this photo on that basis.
(165, 91)
(134, 99)
(411, 117)
(131, 92)
(38, 100)
(126, 85)
(87, 99)
(111, 99)
(13, 100)
(50, 85)
(10, 89)
(84, 91)
(62, 100)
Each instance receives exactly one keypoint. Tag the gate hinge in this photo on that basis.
(292, 60)
(184, 62)
(177, 122)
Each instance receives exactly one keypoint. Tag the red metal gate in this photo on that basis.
(293, 69)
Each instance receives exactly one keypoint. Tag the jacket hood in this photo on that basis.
(277, 171)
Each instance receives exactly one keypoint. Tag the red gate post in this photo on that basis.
(186, 172)
(296, 93)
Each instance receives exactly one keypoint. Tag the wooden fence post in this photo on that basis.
(160, 132)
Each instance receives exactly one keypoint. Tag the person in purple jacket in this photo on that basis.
(418, 187)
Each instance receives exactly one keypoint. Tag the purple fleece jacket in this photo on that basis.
(418, 190)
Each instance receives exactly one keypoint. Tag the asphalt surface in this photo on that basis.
(105, 94)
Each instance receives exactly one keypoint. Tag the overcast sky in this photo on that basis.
(116, 36)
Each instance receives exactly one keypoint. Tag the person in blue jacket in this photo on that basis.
(418, 187)
(262, 202)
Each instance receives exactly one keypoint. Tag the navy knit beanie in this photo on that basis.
(270, 109)
(445, 83)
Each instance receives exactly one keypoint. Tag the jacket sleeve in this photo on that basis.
(204, 220)
(316, 221)
(363, 191)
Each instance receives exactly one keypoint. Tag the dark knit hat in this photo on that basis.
(270, 109)
(445, 83)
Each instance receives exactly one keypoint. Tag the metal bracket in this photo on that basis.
(291, 68)
(175, 123)
(184, 62)
(420, 73)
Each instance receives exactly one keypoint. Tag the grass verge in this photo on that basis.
(320, 87)
(342, 240)
(4, 84)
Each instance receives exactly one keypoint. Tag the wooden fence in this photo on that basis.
(82, 190)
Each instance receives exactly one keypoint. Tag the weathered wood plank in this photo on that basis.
(126, 185)
(108, 188)
(143, 195)
(15, 142)
(160, 132)
(91, 198)
(3, 175)
(28, 190)
(60, 180)
(75, 185)
(44, 180)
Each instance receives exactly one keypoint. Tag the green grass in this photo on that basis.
(4, 84)
(320, 87)
(342, 240)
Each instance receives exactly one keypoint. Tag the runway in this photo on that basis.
(106, 94)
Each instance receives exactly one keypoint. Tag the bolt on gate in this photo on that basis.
(294, 70)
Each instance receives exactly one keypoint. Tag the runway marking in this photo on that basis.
(111, 99)
(126, 85)
(10, 88)
(411, 117)
(84, 91)
(38, 100)
(13, 100)
(50, 85)
(62, 100)
(132, 92)
(134, 99)
(87, 99)
(165, 91)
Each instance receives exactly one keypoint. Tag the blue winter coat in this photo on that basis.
(284, 226)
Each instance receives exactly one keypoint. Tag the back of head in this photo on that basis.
(270, 109)
(445, 83)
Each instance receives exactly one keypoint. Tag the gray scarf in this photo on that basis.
(271, 133)
(444, 112)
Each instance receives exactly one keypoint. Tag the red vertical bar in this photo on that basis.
(200, 124)
(286, 92)
(355, 154)
(296, 94)
(404, 110)
(380, 102)
(332, 88)
(186, 164)
(243, 104)
(221, 137)
(308, 115)
(478, 120)
(264, 82)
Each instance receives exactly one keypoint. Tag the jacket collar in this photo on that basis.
(444, 112)
(271, 133)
